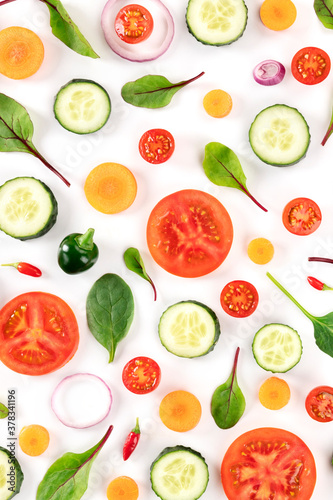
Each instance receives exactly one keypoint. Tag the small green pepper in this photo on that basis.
(77, 252)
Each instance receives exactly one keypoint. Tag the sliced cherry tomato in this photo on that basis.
(301, 216)
(319, 403)
(189, 233)
(310, 65)
(141, 375)
(133, 24)
(239, 299)
(156, 145)
(38, 333)
(268, 463)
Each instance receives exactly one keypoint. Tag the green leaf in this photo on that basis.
(152, 91)
(324, 11)
(66, 30)
(328, 132)
(110, 311)
(67, 478)
(222, 167)
(134, 262)
(228, 402)
(3, 411)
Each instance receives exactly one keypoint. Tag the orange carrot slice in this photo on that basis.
(260, 251)
(180, 411)
(34, 440)
(278, 15)
(122, 488)
(217, 103)
(274, 393)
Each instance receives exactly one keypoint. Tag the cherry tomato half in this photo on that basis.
(301, 216)
(319, 403)
(133, 24)
(156, 145)
(141, 375)
(310, 65)
(239, 299)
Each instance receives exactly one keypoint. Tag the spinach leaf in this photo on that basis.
(222, 167)
(110, 311)
(134, 262)
(16, 131)
(68, 476)
(152, 91)
(329, 131)
(324, 11)
(228, 402)
(66, 30)
(3, 411)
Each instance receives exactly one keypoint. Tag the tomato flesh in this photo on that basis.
(141, 375)
(239, 299)
(133, 24)
(156, 145)
(189, 233)
(310, 65)
(301, 216)
(319, 403)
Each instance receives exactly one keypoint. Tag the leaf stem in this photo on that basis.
(320, 259)
(327, 135)
(304, 311)
(173, 85)
(153, 286)
(46, 163)
(6, 1)
(253, 198)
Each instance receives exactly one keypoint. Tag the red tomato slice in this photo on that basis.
(141, 375)
(156, 145)
(301, 216)
(38, 333)
(310, 65)
(133, 24)
(268, 463)
(189, 233)
(319, 403)
(239, 299)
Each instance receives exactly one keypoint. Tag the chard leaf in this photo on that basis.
(222, 167)
(328, 132)
(66, 30)
(324, 11)
(3, 411)
(152, 91)
(134, 262)
(110, 311)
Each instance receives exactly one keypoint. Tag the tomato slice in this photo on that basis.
(134, 24)
(310, 65)
(319, 403)
(156, 145)
(38, 333)
(189, 233)
(239, 299)
(267, 464)
(141, 375)
(301, 216)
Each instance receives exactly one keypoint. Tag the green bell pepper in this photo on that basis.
(77, 252)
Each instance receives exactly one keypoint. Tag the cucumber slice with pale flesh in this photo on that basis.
(11, 475)
(279, 135)
(277, 348)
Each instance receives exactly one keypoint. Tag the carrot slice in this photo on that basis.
(180, 411)
(110, 188)
(278, 15)
(260, 251)
(122, 488)
(217, 103)
(274, 393)
(21, 52)
(34, 440)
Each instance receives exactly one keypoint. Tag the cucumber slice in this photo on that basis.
(189, 329)
(28, 208)
(216, 22)
(82, 106)
(277, 348)
(279, 135)
(11, 475)
(179, 473)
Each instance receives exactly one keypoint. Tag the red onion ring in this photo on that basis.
(148, 50)
(269, 72)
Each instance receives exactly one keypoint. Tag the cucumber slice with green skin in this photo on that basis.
(279, 135)
(82, 106)
(277, 348)
(189, 329)
(11, 475)
(179, 473)
(28, 208)
(216, 22)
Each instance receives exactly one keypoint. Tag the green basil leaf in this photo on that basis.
(134, 262)
(228, 402)
(152, 91)
(3, 411)
(110, 311)
(324, 11)
(67, 478)
(66, 30)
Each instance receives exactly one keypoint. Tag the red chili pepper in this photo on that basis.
(318, 285)
(131, 441)
(25, 268)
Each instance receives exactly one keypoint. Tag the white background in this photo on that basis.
(229, 68)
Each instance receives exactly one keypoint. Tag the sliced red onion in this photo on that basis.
(269, 72)
(81, 400)
(152, 48)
